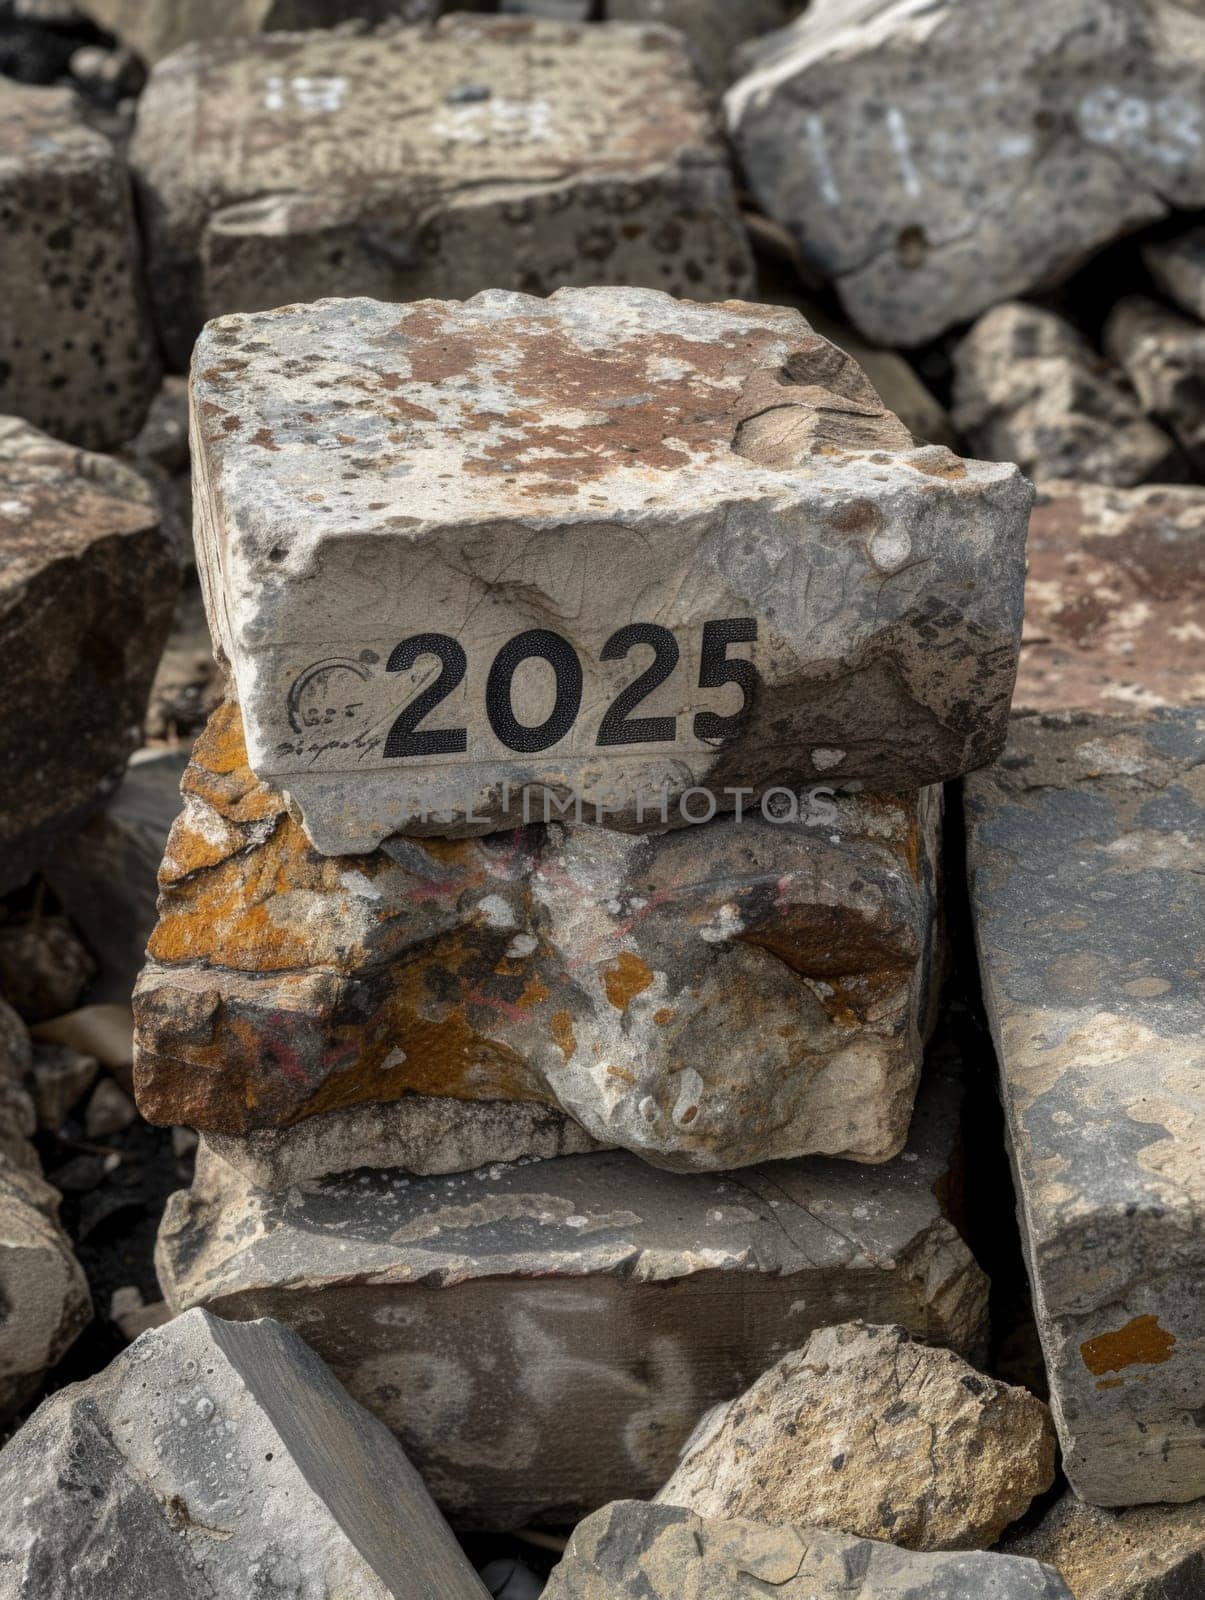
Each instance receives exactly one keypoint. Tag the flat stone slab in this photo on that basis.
(604, 548)
(482, 152)
(634, 1551)
(86, 589)
(77, 350)
(934, 159)
(544, 1336)
(218, 1459)
(1113, 599)
(1085, 858)
(709, 997)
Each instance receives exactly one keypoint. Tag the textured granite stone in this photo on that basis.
(86, 590)
(213, 1459)
(865, 1431)
(611, 476)
(1143, 1553)
(1163, 355)
(487, 152)
(709, 997)
(544, 1336)
(1084, 848)
(155, 28)
(633, 1551)
(1113, 599)
(1028, 388)
(934, 157)
(1178, 266)
(77, 352)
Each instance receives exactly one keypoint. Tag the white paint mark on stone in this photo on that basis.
(823, 758)
(825, 175)
(324, 93)
(901, 143)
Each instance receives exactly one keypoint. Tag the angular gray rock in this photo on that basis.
(1028, 388)
(86, 591)
(633, 1551)
(865, 1431)
(218, 1459)
(1084, 849)
(1178, 267)
(77, 352)
(474, 1313)
(61, 1077)
(1163, 355)
(1113, 596)
(934, 157)
(1143, 1553)
(821, 601)
(484, 152)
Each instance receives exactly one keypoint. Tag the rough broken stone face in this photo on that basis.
(1142, 1553)
(77, 353)
(86, 590)
(1029, 389)
(715, 28)
(1084, 851)
(865, 1431)
(1113, 599)
(214, 1459)
(484, 152)
(936, 159)
(1163, 355)
(468, 1312)
(709, 997)
(633, 1551)
(666, 546)
(1178, 266)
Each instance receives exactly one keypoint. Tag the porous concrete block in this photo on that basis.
(933, 159)
(78, 355)
(1084, 847)
(477, 1314)
(709, 997)
(595, 552)
(485, 152)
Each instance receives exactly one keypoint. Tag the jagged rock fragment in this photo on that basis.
(1143, 1553)
(1163, 355)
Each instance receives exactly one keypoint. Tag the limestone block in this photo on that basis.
(1141, 1553)
(601, 549)
(86, 590)
(1163, 355)
(77, 353)
(934, 159)
(211, 1459)
(708, 997)
(544, 1336)
(1113, 599)
(485, 152)
(1084, 850)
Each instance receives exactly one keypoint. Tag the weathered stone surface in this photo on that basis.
(1163, 355)
(1085, 854)
(77, 355)
(865, 1431)
(474, 1313)
(1113, 599)
(485, 152)
(549, 475)
(159, 452)
(1178, 266)
(60, 1079)
(715, 28)
(43, 966)
(155, 28)
(1142, 1553)
(633, 1551)
(188, 681)
(709, 997)
(86, 589)
(1029, 389)
(934, 159)
(214, 1459)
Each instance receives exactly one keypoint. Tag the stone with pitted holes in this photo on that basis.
(77, 351)
(86, 590)
(1085, 860)
(210, 1459)
(934, 157)
(864, 1430)
(1113, 599)
(484, 152)
(1139, 1553)
(473, 1312)
(633, 1551)
(709, 997)
(608, 547)
(1029, 388)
